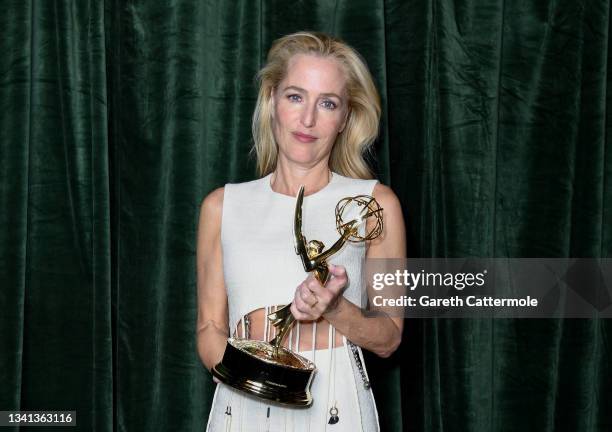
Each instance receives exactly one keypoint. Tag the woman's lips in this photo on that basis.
(302, 137)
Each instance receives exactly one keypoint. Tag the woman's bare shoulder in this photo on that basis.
(386, 197)
(214, 199)
(212, 205)
(392, 244)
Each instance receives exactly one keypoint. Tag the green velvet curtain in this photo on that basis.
(55, 235)
(118, 117)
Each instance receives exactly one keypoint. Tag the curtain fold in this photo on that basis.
(55, 256)
(518, 145)
(118, 117)
(160, 167)
(15, 98)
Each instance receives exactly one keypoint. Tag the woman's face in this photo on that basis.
(310, 109)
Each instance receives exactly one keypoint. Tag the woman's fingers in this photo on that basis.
(328, 295)
(298, 311)
(308, 296)
(304, 303)
(312, 300)
(339, 279)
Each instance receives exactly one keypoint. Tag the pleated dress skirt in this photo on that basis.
(333, 386)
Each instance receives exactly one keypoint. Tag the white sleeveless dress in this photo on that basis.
(261, 269)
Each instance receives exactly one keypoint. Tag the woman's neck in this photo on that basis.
(288, 179)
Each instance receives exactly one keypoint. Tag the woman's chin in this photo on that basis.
(306, 153)
(306, 162)
(305, 158)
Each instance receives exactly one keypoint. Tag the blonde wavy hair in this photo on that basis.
(347, 156)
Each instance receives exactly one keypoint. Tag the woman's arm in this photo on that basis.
(381, 335)
(212, 324)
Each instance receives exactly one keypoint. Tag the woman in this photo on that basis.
(317, 114)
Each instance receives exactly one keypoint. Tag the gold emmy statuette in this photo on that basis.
(267, 369)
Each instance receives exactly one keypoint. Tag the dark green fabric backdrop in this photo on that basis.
(118, 117)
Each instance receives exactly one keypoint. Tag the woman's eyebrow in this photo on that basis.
(301, 90)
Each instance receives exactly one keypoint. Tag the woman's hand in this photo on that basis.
(311, 300)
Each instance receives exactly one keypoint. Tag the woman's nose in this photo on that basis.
(309, 115)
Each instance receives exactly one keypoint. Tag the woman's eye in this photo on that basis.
(328, 104)
(294, 97)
